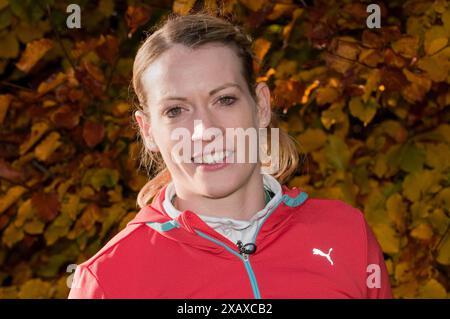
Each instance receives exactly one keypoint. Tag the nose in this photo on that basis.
(207, 132)
(205, 129)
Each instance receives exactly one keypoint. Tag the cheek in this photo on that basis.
(243, 116)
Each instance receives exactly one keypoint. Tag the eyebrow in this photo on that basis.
(212, 92)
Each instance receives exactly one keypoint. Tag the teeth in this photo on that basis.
(212, 159)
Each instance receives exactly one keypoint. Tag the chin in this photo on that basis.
(222, 182)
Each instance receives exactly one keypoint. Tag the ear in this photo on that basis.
(146, 132)
(263, 104)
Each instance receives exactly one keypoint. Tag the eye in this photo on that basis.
(173, 112)
(227, 100)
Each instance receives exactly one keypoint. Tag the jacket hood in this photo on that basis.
(190, 229)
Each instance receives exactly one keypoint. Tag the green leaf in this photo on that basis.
(411, 158)
(99, 177)
(337, 152)
(363, 111)
(312, 139)
(9, 47)
(417, 184)
(432, 290)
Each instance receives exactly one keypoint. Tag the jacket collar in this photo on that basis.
(187, 225)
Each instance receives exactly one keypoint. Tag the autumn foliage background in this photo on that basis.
(369, 108)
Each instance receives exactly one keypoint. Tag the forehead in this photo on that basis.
(184, 71)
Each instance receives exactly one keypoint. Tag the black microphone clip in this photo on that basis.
(248, 249)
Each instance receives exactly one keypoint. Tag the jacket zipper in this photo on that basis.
(244, 257)
(252, 276)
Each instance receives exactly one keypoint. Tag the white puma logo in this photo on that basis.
(321, 253)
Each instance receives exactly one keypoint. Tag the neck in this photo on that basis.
(241, 204)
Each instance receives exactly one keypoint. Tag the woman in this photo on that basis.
(220, 228)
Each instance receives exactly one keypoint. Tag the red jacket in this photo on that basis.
(306, 248)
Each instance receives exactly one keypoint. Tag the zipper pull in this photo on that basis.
(244, 251)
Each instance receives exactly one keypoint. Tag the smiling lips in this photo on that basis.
(217, 157)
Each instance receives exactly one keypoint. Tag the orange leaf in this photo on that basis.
(46, 204)
(93, 133)
(137, 16)
(34, 51)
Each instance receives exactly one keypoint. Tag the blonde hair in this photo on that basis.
(194, 30)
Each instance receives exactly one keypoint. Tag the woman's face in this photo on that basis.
(194, 91)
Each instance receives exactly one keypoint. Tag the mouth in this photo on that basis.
(218, 157)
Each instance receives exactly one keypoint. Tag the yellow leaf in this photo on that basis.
(389, 266)
(437, 44)
(443, 198)
(35, 289)
(51, 83)
(254, 5)
(446, 21)
(312, 139)
(285, 68)
(34, 227)
(347, 48)
(87, 192)
(363, 111)
(37, 131)
(9, 292)
(440, 5)
(326, 95)
(416, 78)
(128, 217)
(9, 47)
(3, 4)
(299, 181)
(414, 26)
(422, 231)
(279, 9)
(406, 290)
(370, 57)
(439, 220)
(12, 235)
(332, 116)
(261, 46)
(436, 66)
(106, 7)
(5, 101)
(416, 184)
(337, 152)
(387, 237)
(396, 209)
(403, 272)
(47, 146)
(443, 256)
(380, 168)
(432, 290)
(420, 85)
(435, 39)
(115, 195)
(182, 7)
(70, 205)
(309, 75)
(61, 289)
(57, 229)
(444, 131)
(24, 213)
(371, 84)
(437, 155)
(420, 210)
(406, 46)
(27, 32)
(11, 196)
(34, 51)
